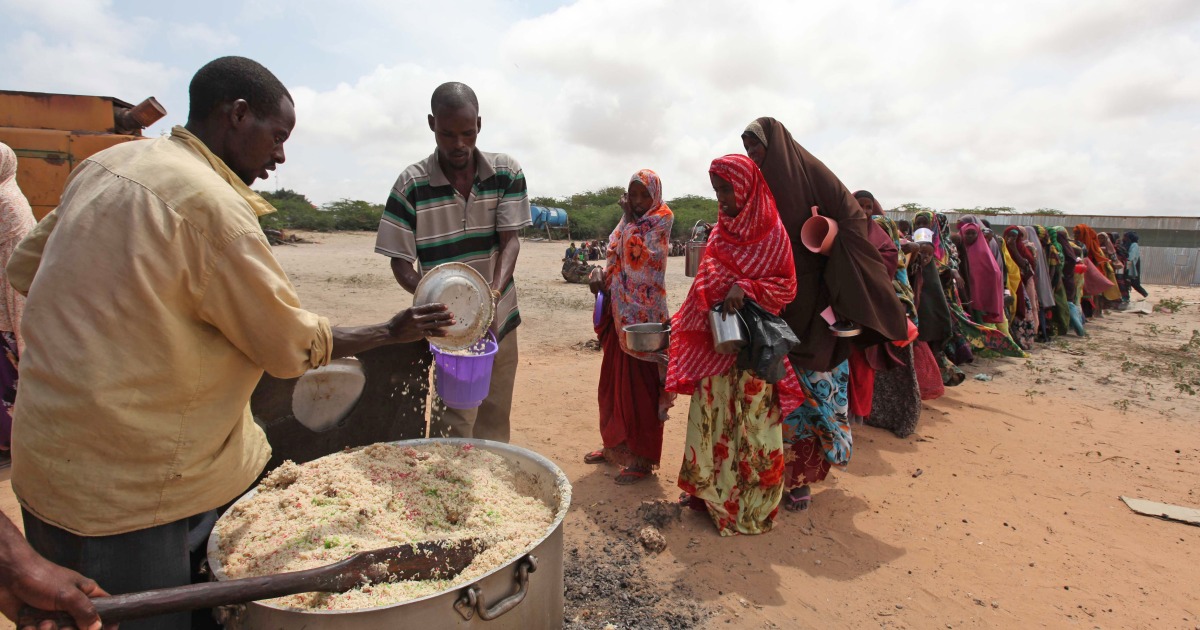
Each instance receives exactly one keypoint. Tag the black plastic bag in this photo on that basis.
(770, 342)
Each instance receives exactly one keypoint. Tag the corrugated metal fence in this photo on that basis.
(1170, 245)
(1170, 265)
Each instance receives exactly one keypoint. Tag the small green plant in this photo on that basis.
(1128, 366)
(1033, 393)
(1078, 363)
(1192, 344)
(1169, 305)
(1150, 369)
(1186, 388)
(1055, 370)
(1122, 405)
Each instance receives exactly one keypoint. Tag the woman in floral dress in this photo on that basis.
(632, 402)
(733, 461)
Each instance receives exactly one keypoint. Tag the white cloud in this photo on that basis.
(1091, 107)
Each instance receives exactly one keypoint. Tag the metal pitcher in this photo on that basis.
(728, 331)
(693, 252)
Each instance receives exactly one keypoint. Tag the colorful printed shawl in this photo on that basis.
(751, 250)
(635, 277)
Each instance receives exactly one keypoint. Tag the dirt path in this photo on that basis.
(1013, 519)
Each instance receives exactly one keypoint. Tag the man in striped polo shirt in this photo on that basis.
(461, 204)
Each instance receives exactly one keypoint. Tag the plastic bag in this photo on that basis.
(770, 342)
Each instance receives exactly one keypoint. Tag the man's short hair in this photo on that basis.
(452, 96)
(231, 78)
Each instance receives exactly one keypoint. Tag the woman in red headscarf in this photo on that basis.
(632, 402)
(733, 460)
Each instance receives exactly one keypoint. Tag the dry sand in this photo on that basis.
(1001, 511)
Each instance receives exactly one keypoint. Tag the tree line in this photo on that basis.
(590, 215)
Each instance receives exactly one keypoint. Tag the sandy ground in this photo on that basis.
(1002, 510)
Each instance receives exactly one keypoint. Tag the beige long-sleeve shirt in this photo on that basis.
(154, 306)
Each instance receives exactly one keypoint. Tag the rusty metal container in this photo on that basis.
(52, 133)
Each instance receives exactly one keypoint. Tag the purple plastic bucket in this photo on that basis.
(598, 310)
(463, 381)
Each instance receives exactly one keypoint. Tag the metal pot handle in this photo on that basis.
(471, 601)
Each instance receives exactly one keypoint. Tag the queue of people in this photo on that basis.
(120, 452)
(886, 315)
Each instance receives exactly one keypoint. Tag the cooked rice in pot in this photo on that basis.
(312, 515)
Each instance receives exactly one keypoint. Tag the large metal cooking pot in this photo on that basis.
(527, 592)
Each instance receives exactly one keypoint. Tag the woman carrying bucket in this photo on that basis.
(733, 460)
(632, 290)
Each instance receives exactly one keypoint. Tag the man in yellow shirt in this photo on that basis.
(154, 306)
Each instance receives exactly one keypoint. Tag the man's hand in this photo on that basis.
(734, 300)
(27, 579)
(418, 322)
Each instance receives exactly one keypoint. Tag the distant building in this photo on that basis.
(1170, 245)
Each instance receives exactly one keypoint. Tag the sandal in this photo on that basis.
(631, 476)
(797, 500)
(595, 457)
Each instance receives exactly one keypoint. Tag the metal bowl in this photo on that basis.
(650, 337)
(845, 329)
(468, 296)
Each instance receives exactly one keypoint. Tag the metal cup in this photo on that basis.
(728, 331)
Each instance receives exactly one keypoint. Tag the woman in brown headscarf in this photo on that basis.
(852, 279)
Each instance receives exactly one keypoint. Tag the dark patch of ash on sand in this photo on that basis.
(607, 586)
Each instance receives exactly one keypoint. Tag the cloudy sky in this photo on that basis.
(1088, 107)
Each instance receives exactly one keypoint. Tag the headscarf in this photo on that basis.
(876, 209)
(1132, 237)
(1086, 235)
(1018, 250)
(900, 281)
(1054, 251)
(1110, 250)
(943, 223)
(16, 215)
(939, 250)
(751, 250)
(1041, 268)
(852, 279)
(16, 220)
(987, 287)
(637, 263)
(1070, 258)
(968, 218)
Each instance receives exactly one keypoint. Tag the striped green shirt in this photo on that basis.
(427, 222)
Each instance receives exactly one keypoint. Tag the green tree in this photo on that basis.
(911, 206)
(352, 214)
